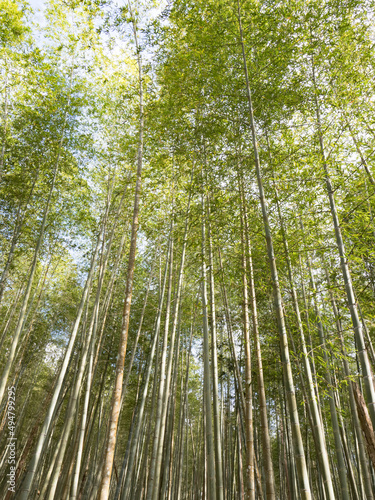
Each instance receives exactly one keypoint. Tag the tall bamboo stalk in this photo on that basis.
(318, 428)
(117, 391)
(146, 381)
(210, 451)
(291, 397)
(266, 442)
(215, 382)
(33, 467)
(368, 377)
(250, 457)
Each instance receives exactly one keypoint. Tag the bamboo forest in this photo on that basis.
(187, 249)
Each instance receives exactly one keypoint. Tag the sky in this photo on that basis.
(35, 4)
(38, 7)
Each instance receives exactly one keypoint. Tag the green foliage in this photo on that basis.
(72, 101)
(12, 22)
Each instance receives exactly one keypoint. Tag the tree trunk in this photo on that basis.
(318, 428)
(266, 444)
(117, 391)
(33, 467)
(210, 452)
(291, 397)
(357, 325)
(153, 487)
(146, 382)
(215, 383)
(250, 486)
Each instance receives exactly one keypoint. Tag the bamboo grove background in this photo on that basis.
(187, 250)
